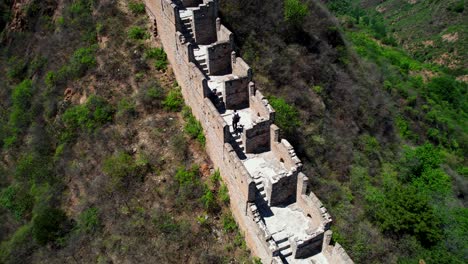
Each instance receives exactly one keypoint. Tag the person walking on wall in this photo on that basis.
(235, 121)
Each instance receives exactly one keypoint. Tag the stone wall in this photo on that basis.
(257, 138)
(204, 23)
(240, 67)
(286, 154)
(237, 93)
(223, 33)
(260, 105)
(281, 189)
(304, 249)
(311, 205)
(219, 58)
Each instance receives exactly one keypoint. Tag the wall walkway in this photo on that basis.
(281, 220)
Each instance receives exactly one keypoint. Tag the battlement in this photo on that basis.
(282, 221)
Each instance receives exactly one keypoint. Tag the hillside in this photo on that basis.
(100, 161)
(381, 131)
(431, 31)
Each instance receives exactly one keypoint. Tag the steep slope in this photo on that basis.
(383, 134)
(100, 160)
(432, 31)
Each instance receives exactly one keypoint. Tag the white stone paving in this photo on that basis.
(290, 221)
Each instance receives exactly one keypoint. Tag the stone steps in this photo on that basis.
(204, 67)
(260, 187)
(283, 245)
(286, 252)
(239, 142)
(282, 241)
(187, 24)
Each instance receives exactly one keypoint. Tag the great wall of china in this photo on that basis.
(282, 221)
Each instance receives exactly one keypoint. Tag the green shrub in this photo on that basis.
(17, 68)
(87, 117)
(421, 168)
(166, 224)
(151, 95)
(155, 53)
(22, 95)
(18, 246)
(174, 100)
(340, 7)
(17, 200)
(50, 79)
(136, 8)
(256, 260)
(20, 115)
(48, 225)
(403, 210)
(88, 221)
(188, 177)
(378, 26)
(458, 6)
(239, 241)
(120, 167)
(404, 128)
(446, 88)
(161, 65)
(160, 58)
(154, 93)
(215, 177)
(194, 128)
(126, 108)
(287, 116)
(295, 11)
(33, 167)
(138, 33)
(229, 224)
(82, 60)
(209, 200)
(223, 194)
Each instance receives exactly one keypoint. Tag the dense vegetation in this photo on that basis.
(93, 167)
(432, 31)
(382, 130)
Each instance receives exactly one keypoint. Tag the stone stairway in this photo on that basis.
(256, 214)
(188, 34)
(282, 241)
(225, 75)
(260, 188)
(202, 60)
(203, 64)
(237, 137)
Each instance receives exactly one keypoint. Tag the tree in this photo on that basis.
(49, 225)
(295, 12)
(403, 210)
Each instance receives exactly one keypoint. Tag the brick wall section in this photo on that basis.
(219, 57)
(241, 186)
(259, 104)
(281, 190)
(204, 23)
(223, 33)
(240, 67)
(237, 93)
(257, 138)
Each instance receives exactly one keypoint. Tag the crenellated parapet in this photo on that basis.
(282, 221)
